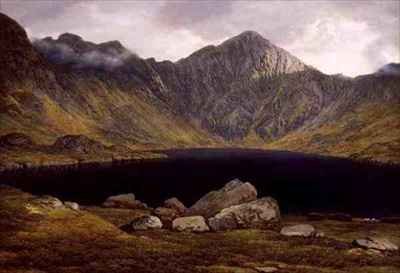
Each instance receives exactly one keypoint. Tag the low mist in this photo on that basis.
(61, 53)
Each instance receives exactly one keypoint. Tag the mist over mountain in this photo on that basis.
(245, 92)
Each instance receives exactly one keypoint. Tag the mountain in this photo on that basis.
(245, 92)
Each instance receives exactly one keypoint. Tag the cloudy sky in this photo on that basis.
(349, 37)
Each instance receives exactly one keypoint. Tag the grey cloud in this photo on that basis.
(187, 13)
(62, 53)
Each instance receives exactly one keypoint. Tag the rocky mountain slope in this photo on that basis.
(243, 92)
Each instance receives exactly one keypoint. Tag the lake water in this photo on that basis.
(301, 183)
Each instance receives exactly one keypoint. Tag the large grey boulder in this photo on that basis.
(175, 204)
(302, 230)
(254, 214)
(146, 222)
(381, 244)
(233, 193)
(124, 201)
(190, 223)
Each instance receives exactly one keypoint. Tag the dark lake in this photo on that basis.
(301, 183)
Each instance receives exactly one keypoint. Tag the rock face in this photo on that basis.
(191, 223)
(303, 230)
(255, 214)
(175, 204)
(146, 222)
(124, 201)
(233, 193)
(381, 244)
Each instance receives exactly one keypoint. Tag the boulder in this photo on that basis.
(174, 203)
(258, 213)
(166, 215)
(146, 222)
(381, 244)
(190, 223)
(124, 201)
(233, 193)
(302, 230)
(72, 205)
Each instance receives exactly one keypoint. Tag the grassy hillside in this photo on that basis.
(371, 131)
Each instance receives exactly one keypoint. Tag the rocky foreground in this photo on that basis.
(228, 230)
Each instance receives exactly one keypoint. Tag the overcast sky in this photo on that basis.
(349, 37)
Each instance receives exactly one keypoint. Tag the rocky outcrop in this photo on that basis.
(127, 201)
(191, 224)
(302, 230)
(78, 143)
(233, 193)
(146, 222)
(16, 140)
(381, 244)
(255, 214)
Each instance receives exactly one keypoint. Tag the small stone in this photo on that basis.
(190, 223)
(127, 201)
(376, 243)
(72, 205)
(51, 202)
(303, 230)
(146, 222)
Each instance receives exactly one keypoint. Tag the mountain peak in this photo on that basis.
(69, 37)
(249, 37)
(250, 34)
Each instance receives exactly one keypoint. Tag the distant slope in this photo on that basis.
(245, 92)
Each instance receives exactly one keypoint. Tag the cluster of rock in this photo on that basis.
(232, 207)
